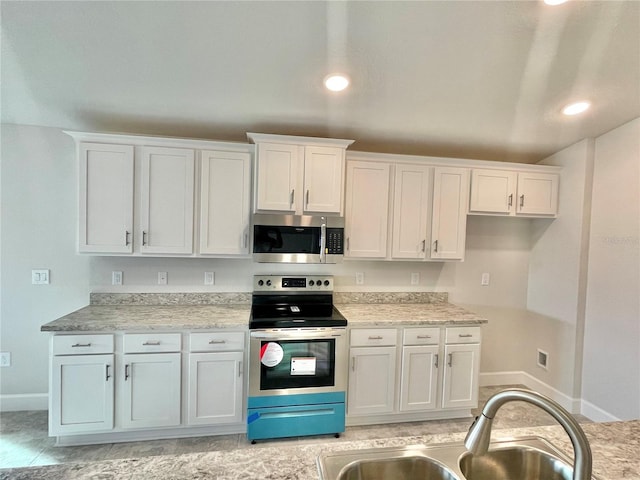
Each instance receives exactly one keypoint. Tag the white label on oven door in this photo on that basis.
(303, 365)
(271, 354)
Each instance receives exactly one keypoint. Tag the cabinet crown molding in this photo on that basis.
(291, 139)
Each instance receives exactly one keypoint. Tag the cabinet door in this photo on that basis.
(215, 388)
(166, 201)
(371, 380)
(449, 220)
(419, 384)
(106, 198)
(537, 194)
(277, 176)
(150, 390)
(367, 209)
(225, 184)
(461, 370)
(492, 191)
(81, 394)
(323, 179)
(411, 201)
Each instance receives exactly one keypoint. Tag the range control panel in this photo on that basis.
(293, 283)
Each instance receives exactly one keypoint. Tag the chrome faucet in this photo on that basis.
(477, 440)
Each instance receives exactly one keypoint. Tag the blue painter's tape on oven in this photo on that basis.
(314, 415)
(299, 399)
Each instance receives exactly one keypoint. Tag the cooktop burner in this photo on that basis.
(294, 302)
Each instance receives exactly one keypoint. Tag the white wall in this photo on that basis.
(39, 199)
(611, 375)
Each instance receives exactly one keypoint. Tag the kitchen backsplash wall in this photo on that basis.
(498, 246)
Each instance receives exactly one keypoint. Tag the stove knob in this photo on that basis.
(326, 283)
(260, 282)
(311, 283)
(268, 283)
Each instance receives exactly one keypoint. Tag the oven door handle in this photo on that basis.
(295, 334)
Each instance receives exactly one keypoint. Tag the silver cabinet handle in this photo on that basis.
(347, 244)
(424, 336)
(246, 240)
(450, 359)
(126, 372)
(353, 364)
(375, 337)
(511, 199)
(292, 196)
(436, 360)
(107, 373)
(144, 237)
(240, 368)
(80, 345)
(521, 200)
(151, 344)
(215, 342)
(126, 238)
(307, 199)
(436, 246)
(465, 335)
(424, 245)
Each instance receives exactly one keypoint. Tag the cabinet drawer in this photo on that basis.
(216, 342)
(82, 344)
(463, 335)
(152, 342)
(373, 336)
(421, 336)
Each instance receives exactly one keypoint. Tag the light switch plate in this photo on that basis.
(209, 278)
(5, 359)
(39, 277)
(485, 279)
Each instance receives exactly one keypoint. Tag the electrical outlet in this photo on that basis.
(5, 359)
(209, 278)
(415, 278)
(162, 278)
(116, 278)
(39, 277)
(359, 278)
(485, 279)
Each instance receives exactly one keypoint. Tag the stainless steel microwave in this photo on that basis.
(297, 239)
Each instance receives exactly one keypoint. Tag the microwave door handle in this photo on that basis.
(323, 242)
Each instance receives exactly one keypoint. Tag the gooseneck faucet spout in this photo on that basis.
(477, 440)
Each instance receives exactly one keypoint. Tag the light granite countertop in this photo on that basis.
(615, 447)
(389, 314)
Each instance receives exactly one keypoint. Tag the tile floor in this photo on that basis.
(24, 440)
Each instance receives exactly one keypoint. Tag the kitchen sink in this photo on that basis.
(527, 458)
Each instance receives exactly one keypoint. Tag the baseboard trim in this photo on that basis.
(597, 414)
(19, 402)
(573, 405)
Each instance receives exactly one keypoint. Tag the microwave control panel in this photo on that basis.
(335, 241)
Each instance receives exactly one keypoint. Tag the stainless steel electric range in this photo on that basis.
(297, 358)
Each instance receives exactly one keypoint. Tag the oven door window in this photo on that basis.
(305, 363)
(270, 239)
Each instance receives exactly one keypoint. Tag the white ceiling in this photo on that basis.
(476, 79)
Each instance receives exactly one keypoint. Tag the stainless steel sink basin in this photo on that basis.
(529, 458)
(515, 462)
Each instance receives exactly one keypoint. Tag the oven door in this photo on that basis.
(297, 360)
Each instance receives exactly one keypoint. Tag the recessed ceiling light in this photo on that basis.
(554, 2)
(336, 82)
(576, 108)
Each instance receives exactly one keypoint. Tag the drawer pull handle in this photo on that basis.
(81, 345)
(424, 336)
(151, 344)
(436, 360)
(126, 372)
(450, 359)
(216, 342)
(108, 376)
(465, 335)
(375, 337)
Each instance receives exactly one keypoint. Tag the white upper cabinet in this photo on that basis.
(299, 175)
(166, 202)
(411, 202)
(225, 184)
(106, 198)
(508, 192)
(367, 209)
(449, 215)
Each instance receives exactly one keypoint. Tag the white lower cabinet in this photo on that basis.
(151, 390)
(430, 376)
